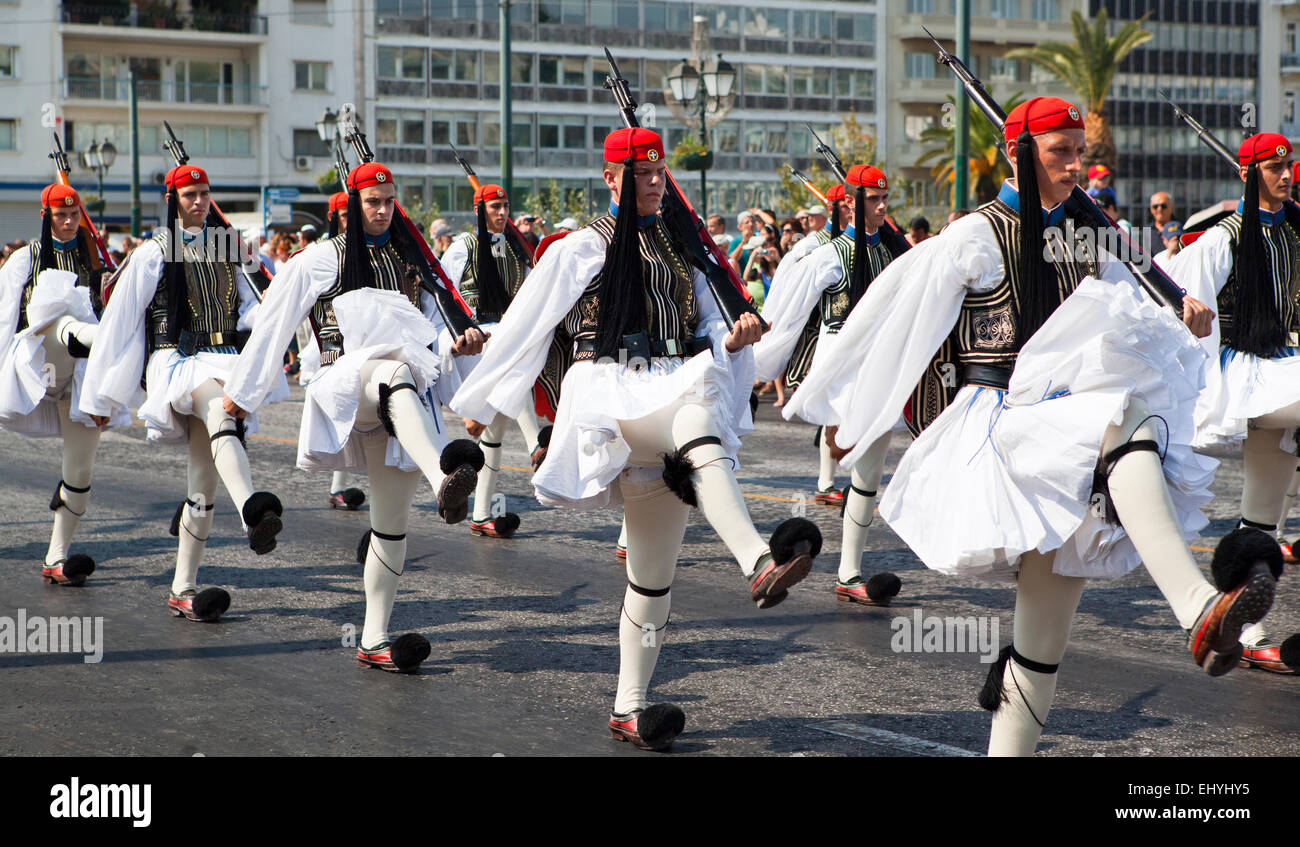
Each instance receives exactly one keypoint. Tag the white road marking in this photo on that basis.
(907, 743)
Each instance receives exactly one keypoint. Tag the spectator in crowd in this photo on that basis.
(802, 217)
(1099, 176)
(956, 214)
(1105, 200)
(791, 232)
(1162, 213)
(442, 237)
(306, 235)
(716, 225)
(1171, 235)
(747, 223)
(568, 225)
(917, 231)
(281, 246)
(528, 226)
(764, 255)
(815, 219)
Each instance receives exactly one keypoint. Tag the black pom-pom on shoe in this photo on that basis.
(544, 436)
(211, 603)
(261, 513)
(883, 587)
(791, 532)
(409, 650)
(462, 451)
(659, 724)
(79, 566)
(679, 476)
(1289, 652)
(1238, 551)
(76, 349)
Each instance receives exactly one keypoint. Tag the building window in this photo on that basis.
(915, 125)
(920, 66)
(726, 138)
(811, 26)
(401, 63)
(311, 76)
(766, 79)
(8, 134)
(454, 65)
(401, 8)
(615, 14)
(656, 74)
(199, 82)
(521, 134)
(400, 127)
(723, 20)
(1004, 8)
(568, 12)
(860, 83)
(859, 29)
(460, 128)
(811, 82)
(562, 70)
(920, 7)
(561, 132)
(313, 12)
(1002, 68)
(521, 67)
(306, 142)
(766, 23)
(8, 62)
(1047, 10)
(662, 16)
(458, 10)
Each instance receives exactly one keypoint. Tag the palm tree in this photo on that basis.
(988, 168)
(1088, 66)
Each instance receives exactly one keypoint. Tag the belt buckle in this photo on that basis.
(672, 347)
(1293, 339)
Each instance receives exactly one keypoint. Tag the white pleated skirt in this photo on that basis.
(1246, 387)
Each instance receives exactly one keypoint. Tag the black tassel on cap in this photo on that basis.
(47, 241)
(1039, 293)
(334, 223)
(858, 273)
(1256, 325)
(173, 279)
(492, 298)
(622, 309)
(836, 230)
(357, 272)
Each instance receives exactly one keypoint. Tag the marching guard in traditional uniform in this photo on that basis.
(384, 348)
(650, 413)
(488, 267)
(829, 281)
(1066, 453)
(178, 313)
(49, 307)
(1249, 265)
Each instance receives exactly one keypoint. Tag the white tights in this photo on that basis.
(860, 508)
(825, 464)
(490, 443)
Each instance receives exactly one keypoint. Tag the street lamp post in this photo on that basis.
(100, 157)
(700, 90)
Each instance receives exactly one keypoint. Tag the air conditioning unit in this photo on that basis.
(302, 163)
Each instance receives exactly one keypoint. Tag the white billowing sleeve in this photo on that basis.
(13, 275)
(1202, 267)
(503, 379)
(788, 315)
(455, 260)
(862, 382)
(116, 362)
(287, 303)
(736, 370)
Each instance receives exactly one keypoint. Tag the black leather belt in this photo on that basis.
(190, 343)
(640, 345)
(986, 375)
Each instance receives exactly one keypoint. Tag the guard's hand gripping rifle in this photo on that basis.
(259, 279)
(433, 279)
(512, 232)
(832, 159)
(1154, 281)
(685, 227)
(808, 184)
(61, 166)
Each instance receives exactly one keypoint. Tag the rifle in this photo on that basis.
(1154, 281)
(87, 225)
(837, 167)
(341, 166)
(260, 279)
(433, 279)
(685, 226)
(512, 232)
(1205, 135)
(808, 184)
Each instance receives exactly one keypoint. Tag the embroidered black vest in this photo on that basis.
(392, 273)
(1283, 248)
(835, 304)
(211, 308)
(670, 294)
(511, 265)
(64, 260)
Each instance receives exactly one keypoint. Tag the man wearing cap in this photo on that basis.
(651, 411)
(178, 315)
(1105, 200)
(49, 306)
(1073, 415)
(489, 266)
(369, 407)
(830, 281)
(1249, 263)
(1099, 176)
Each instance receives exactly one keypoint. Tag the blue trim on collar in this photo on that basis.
(376, 240)
(188, 237)
(873, 238)
(1265, 217)
(1011, 197)
(849, 230)
(63, 246)
(642, 221)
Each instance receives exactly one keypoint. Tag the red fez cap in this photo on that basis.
(869, 176)
(59, 194)
(487, 192)
(1262, 146)
(184, 175)
(371, 173)
(1295, 172)
(835, 193)
(338, 201)
(1040, 115)
(637, 143)
(1098, 171)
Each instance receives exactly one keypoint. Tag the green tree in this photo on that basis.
(1088, 66)
(988, 167)
(554, 203)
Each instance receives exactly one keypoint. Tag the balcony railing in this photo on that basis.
(160, 15)
(1290, 62)
(208, 93)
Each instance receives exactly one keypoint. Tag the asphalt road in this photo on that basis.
(524, 633)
